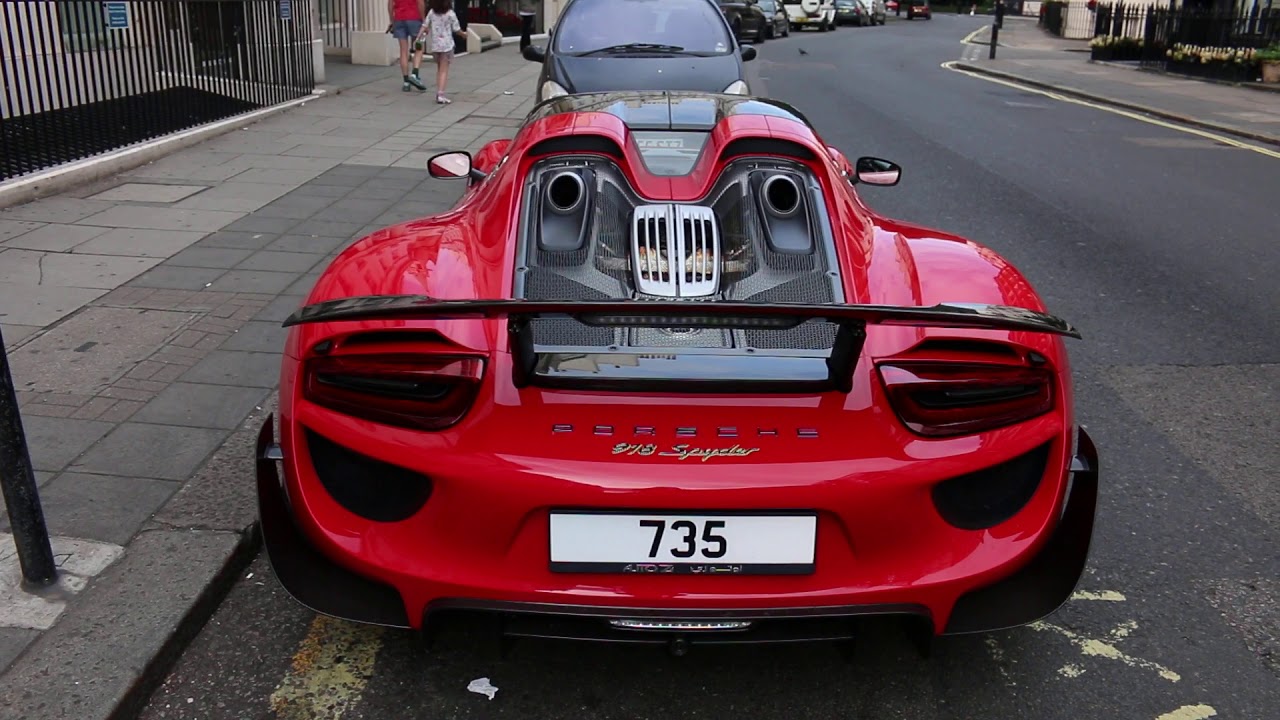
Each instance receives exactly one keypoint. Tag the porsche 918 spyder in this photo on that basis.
(660, 375)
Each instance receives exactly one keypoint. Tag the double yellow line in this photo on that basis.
(330, 671)
(1216, 137)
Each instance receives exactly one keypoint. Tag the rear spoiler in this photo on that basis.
(708, 369)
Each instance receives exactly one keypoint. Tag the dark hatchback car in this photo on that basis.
(621, 45)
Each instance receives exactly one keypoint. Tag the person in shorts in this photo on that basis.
(406, 26)
(440, 29)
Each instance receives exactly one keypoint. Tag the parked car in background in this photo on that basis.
(621, 45)
(848, 12)
(919, 8)
(746, 19)
(874, 11)
(820, 14)
(778, 25)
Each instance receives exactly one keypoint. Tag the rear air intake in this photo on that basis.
(990, 496)
(367, 487)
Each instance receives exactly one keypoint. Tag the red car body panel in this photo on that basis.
(482, 536)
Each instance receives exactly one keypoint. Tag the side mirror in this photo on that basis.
(533, 53)
(874, 171)
(450, 165)
(748, 52)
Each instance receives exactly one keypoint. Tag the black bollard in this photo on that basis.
(1000, 14)
(995, 38)
(18, 479)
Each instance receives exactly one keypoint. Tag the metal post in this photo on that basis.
(1000, 14)
(18, 479)
(995, 38)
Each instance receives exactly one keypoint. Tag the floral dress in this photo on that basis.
(440, 29)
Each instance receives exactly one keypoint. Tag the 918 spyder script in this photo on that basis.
(682, 451)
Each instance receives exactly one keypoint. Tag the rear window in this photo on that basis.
(698, 26)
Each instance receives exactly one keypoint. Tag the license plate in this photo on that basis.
(692, 543)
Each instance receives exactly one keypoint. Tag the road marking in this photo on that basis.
(1105, 596)
(1071, 671)
(1098, 648)
(1190, 712)
(997, 655)
(969, 38)
(951, 65)
(329, 672)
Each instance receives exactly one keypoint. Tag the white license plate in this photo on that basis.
(660, 543)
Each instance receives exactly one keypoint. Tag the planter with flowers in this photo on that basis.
(1269, 59)
(1115, 47)
(1213, 63)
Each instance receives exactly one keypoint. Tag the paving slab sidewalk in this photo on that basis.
(1034, 58)
(142, 313)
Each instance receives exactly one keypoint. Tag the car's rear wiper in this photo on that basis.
(635, 47)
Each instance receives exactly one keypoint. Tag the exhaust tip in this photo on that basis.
(565, 192)
(781, 196)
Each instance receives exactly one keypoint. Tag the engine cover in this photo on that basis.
(761, 234)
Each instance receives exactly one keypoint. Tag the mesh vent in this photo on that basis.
(546, 285)
(692, 337)
(812, 335)
(611, 244)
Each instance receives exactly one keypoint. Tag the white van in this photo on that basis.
(820, 14)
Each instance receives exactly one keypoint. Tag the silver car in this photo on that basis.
(873, 12)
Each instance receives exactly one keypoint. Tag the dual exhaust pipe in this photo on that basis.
(780, 194)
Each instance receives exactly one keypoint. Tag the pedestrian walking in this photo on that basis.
(440, 29)
(406, 24)
(528, 11)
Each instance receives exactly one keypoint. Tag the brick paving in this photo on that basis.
(142, 312)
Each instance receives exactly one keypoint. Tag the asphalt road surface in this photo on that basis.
(1160, 245)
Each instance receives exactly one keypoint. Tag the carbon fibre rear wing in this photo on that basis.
(683, 367)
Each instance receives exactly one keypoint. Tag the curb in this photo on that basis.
(1081, 94)
(157, 668)
(1226, 83)
(121, 636)
(65, 177)
(516, 38)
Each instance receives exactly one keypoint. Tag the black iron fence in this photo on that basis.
(84, 77)
(1208, 42)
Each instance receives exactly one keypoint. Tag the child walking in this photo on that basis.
(439, 29)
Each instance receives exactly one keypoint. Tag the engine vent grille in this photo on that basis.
(676, 250)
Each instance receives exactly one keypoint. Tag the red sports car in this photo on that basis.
(661, 376)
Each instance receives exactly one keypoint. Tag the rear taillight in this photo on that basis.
(422, 392)
(939, 399)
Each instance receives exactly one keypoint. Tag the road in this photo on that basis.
(1158, 244)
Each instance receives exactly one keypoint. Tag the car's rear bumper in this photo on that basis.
(1035, 589)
